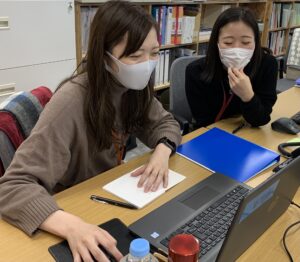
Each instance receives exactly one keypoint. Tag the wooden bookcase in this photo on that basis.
(208, 12)
(282, 26)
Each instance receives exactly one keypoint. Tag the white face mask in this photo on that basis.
(235, 57)
(135, 76)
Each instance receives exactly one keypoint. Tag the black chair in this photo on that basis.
(178, 102)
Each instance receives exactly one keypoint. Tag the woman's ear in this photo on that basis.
(109, 61)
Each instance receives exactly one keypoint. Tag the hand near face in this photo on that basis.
(240, 84)
(156, 170)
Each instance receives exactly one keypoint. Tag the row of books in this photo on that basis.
(276, 42)
(166, 58)
(295, 21)
(174, 26)
(284, 14)
(281, 13)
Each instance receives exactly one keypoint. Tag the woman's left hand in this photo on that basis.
(156, 171)
(240, 84)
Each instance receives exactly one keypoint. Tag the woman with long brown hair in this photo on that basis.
(83, 130)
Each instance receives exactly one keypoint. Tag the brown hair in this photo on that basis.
(112, 22)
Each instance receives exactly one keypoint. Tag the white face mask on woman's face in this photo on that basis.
(134, 76)
(235, 57)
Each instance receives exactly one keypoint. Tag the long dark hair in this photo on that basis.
(213, 64)
(112, 22)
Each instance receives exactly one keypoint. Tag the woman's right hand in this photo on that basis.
(83, 238)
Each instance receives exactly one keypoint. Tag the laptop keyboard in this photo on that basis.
(210, 226)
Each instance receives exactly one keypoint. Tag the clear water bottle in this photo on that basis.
(139, 251)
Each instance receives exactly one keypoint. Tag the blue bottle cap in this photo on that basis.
(139, 247)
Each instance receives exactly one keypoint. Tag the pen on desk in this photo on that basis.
(111, 202)
(238, 128)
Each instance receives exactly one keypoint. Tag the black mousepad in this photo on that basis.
(62, 253)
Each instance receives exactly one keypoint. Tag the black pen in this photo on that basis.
(112, 202)
(238, 128)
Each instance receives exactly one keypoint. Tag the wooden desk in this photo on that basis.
(16, 246)
(269, 246)
(287, 104)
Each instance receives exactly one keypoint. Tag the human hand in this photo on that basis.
(156, 170)
(84, 241)
(83, 238)
(240, 84)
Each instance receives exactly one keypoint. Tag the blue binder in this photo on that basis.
(220, 151)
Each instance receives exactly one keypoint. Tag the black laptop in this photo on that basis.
(226, 216)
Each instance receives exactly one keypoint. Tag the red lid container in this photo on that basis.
(184, 248)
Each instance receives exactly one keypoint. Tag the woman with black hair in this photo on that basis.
(83, 130)
(237, 76)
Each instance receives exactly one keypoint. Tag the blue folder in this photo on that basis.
(220, 151)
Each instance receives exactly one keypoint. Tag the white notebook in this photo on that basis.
(126, 188)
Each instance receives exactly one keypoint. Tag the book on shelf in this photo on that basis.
(163, 20)
(166, 66)
(276, 42)
(188, 24)
(166, 58)
(295, 20)
(161, 66)
(156, 74)
(177, 24)
(195, 12)
(281, 14)
(169, 24)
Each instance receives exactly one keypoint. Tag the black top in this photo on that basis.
(206, 99)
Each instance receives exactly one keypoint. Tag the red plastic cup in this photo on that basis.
(184, 248)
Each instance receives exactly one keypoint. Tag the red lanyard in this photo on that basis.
(118, 140)
(224, 106)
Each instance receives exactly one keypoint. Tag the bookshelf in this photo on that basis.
(284, 16)
(274, 26)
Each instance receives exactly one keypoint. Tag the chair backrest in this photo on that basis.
(178, 101)
(18, 115)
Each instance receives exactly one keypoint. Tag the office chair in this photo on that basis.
(18, 115)
(179, 106)
(290, 64)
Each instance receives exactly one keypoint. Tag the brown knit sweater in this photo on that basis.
(58, 154)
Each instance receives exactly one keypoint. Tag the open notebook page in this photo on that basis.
(126, 188)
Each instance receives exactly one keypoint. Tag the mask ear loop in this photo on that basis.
(293, 154)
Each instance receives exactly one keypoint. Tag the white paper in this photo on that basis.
(126, 188)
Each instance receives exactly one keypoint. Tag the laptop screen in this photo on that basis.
(259, 210)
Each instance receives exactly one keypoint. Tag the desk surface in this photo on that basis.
(16, 246)
(287, 104)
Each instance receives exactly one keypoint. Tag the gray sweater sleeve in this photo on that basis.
(40, 161)
(162, 124)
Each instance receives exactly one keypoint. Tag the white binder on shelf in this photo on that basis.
(161, 66)
(166, 66)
